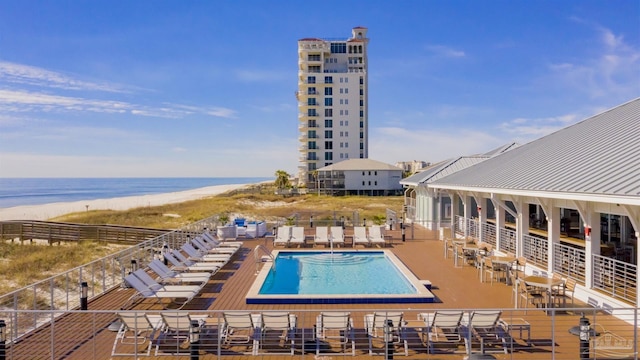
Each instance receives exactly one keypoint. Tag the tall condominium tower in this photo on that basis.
(332, 102)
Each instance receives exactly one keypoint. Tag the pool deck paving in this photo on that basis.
(86, 336)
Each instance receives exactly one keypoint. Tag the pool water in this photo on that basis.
(338, 277)
(335, 273)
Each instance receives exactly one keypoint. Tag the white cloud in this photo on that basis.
(35, 76)
(611, 73)
(445, 51)
(529, 129)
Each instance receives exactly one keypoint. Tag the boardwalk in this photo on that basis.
(86, 336)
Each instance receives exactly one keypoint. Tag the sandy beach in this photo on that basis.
(47, 211)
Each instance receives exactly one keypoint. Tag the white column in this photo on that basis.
(439, 211)
(637, 256)
(553, 234)
(482, 216)
(500, 216)
(592, 245)
(522, 224)
(454, 212)
(467, 214)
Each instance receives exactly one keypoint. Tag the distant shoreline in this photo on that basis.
(48, 211)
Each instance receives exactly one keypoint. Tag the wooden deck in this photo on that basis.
(86, 335)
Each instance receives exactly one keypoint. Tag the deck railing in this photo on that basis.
(616, 278)
(474, 227)
(535, 249)
(489, 233)
(91, 335)
(569, 262)
(459, 225)
(507, 240)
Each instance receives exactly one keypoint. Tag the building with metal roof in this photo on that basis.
(568, 202)
(359, 177)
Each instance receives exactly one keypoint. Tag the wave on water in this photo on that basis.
(38, 191)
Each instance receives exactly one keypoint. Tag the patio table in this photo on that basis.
(544, 283)
(506, 261)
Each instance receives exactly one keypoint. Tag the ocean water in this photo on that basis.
(37, 191)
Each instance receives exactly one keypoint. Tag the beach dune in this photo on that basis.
(48, 211)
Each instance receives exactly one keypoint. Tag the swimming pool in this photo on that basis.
(341, 277)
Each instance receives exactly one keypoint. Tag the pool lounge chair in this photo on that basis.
(175, 329)
(276, 326)
(154, 285)
(360, 236)
(297, 236)
(179, 265)
(322, 236)
(169, 276)
(332, 327)
(205, 248)
(442, 328)
(144, 292)
(282, 236)
(194, 261)
(375, 236)
(376, 325)
(337, 236)
(194, 255)
(240, 328)
(211, 240)
(485, 327)
(134, 335)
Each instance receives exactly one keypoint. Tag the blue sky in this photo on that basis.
(206, 88)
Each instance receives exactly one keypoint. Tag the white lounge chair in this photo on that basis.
(167, 275)
(277, 326)
(205, 248)
(194, 255)
(375, 235)
(179, 265)
(144, 292)
(282, 236)
(337, 235)
(154, 285)
(322, 236)
(335, 326)
(241, 328)
(297, 236)
(206, 236)
(442, 327)
(196, 261)
(360, 236)
(485, 327)
(376, 327)
(134, 335)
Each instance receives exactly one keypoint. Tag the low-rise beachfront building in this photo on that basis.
(568, 202)
(359, 177)
(332, 102)
(413, 166)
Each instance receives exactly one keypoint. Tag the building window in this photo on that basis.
(314, 57)
(361, 91)
(328, 79)
(312, 145)
(369, 183)
(375, 183)
(361, 80)
(311, 79)
(346, 123)
(328, 101)
(341, 101)
(338, 48)
(311, 134)
(361, 124)
(361, 148)
(341, 123)
(328, 156)
(328, 91)
(361, 135)
(375, 173)
(341, 89)
(341, 133)
(328, 134)
(346, 144)
(361, 113)
(346, 133)
(328, 112)
(341, 156)
(361, 102)
(311, 166)
(363, 183)
(312, 123)
(312, 90)
(363, 175)
(346, 79)
(346, 90)
(311, 112)
(311, 101)
(328, 123)
(314, 68)
(346, 112)
(346, 155)
(369, 173)
(346, 101)
(328, 145)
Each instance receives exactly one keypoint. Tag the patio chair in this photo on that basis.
(528, 295)
(282, 236)
(277, 326)
(199, 264)
(337, 235)
(485, 327)
(173, 338)
(360, 236)
(322, 236)
(144, 292)
(568, 290)
(442, 327)
(378, 327)
(204, 248)
(166, 275)
(335, 326)
(194, 255)
(241, 328)
(134, 335)
(375, 236)
(297, 236)
(178, 265)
